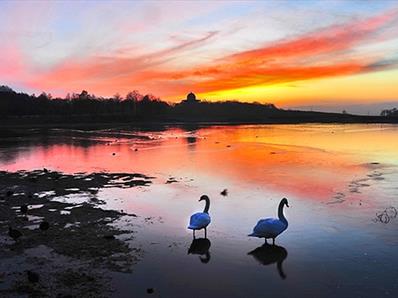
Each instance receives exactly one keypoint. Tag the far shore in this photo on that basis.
(307, 118)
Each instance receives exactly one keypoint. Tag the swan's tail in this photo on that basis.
(252, 235)
(191, 227)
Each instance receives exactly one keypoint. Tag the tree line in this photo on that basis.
(84, 106)
(133, 104)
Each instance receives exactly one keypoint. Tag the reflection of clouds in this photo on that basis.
(278, 158)
(45, 139)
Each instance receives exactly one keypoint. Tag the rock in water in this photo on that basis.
(14, 234)
(24, 209)
(33, 277)
(109, 237)
(44, 225)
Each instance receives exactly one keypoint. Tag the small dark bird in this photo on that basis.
(224, 192)
(9, 193)
(44, 225)
(24, 209)
(14, 234)
(45, 170)
(113, 153)
(33, 277)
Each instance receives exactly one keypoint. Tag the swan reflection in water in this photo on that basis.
(201, 247)
(269, 254)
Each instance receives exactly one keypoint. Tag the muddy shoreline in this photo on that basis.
(83, 245)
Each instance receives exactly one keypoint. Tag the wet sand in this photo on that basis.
(75, 256)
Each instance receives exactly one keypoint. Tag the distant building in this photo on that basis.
(191, 99)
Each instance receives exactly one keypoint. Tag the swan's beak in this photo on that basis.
(200, 200)
(287, 205)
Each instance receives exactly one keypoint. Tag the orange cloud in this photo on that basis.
(328, 52)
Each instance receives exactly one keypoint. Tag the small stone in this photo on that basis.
(109, 237)
(33, 277)
(44, 225)
(14, 234)
(24, 209)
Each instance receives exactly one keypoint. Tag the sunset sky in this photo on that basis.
(323, 54)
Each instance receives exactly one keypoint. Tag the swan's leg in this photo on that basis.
(273, 241)
(193, 234)
(265, 241)
(206, 232)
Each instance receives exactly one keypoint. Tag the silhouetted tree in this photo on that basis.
(83, 105)
(6, 89)
(389, 112)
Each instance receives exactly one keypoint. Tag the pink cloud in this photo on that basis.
(327, 52)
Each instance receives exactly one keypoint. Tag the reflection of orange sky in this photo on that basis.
(301, 171)
(306, 161)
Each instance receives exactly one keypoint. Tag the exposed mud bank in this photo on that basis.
(76, 255)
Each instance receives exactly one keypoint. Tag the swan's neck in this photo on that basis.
(280, 213)
(207, 206)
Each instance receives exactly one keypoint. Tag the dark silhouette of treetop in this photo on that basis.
(6, 89)
(389, 112)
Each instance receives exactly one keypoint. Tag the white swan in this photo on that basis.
(201, 220)
(271, 227)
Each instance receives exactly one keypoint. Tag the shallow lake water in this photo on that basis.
(341, 182)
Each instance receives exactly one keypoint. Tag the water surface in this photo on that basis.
(337, 179)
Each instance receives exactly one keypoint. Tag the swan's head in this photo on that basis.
(203, 198)
(285, 202)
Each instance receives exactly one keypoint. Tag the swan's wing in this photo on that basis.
(269, 227)
(199, 221)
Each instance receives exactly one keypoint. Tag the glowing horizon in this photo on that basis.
(286, 53)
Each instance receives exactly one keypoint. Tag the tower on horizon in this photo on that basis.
(191, 99)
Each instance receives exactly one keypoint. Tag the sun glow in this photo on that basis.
(315, 57)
